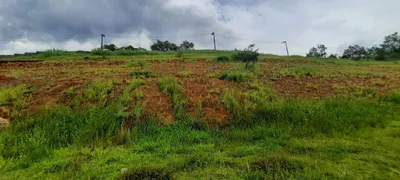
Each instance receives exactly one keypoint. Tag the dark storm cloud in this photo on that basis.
(62, 20)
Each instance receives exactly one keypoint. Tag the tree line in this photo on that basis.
(157, 46)
(389, 49)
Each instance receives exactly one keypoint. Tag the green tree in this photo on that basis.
(355, 52)
(391, 44)
(111, 47)
(319, 51)
(186, 45)
(164, 46)
(129, 48)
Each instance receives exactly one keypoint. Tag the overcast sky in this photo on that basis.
(31, 25)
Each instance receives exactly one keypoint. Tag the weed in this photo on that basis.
(170, 86)
(137, 63)
(14, 96)
(185, 73)
(223, 59)
(17, 74)
(236, 76)
(143, 74)
(392, 96)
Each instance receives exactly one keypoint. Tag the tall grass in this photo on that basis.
(170, 86)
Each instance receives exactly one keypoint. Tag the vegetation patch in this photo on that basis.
(143, 74)
(236, 76)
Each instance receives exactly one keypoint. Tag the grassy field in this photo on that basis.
(173, 116)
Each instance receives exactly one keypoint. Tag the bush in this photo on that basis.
(223, 59)
(248, 55)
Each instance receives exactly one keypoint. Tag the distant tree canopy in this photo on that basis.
(111, 47)
(164, 46)
(355, 52)
(130, 48)
(390, 48)
(186, 45)
(319, 51)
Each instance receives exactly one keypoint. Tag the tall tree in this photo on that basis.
(391, 44)
(164, 46)
(111, 47)
(355, 52)
(319, 51)
(186, 45)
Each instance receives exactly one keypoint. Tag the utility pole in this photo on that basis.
(215, 46)
(102, 36)
(287, 49)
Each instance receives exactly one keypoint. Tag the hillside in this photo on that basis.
(187, 116)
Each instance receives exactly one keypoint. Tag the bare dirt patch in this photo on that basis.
(207, 93)
(157, 103)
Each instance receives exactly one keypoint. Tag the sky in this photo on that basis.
(33, 25)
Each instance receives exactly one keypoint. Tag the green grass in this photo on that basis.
(137, 63)
(15, 97)
(299, 71)
(170, 86)
(144, 74)
(185, 73)
(236, 76)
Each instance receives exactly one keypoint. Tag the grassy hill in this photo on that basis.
(186, 116)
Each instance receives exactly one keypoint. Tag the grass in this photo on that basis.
(171, 87)
(137, 63)
(185, 73)
(143, 74)
(236, 76)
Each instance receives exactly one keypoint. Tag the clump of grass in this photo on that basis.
(143, 74)
(185, 73)
(95, 93)
(392, 96)
(223, 59)
(14, 94)
(171, 87)
(17, 74)
(236, 76)
(137, 63)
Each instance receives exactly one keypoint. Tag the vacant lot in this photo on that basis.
(164, 117)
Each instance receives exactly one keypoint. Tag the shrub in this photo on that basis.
(223, 59)
(248, 55)
(185, 73)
